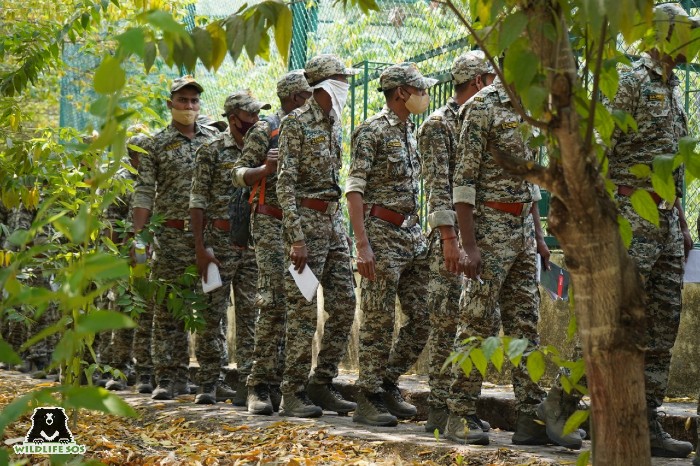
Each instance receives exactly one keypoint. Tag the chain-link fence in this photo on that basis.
(402, 30)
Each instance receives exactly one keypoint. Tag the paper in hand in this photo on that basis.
(213, 276)
(556, 282)
(306, 281)
(692, 267)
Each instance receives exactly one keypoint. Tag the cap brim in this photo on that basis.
(262, 106)
(190, 84)
(423, 83)
(352, 71)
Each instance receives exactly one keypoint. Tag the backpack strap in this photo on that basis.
(273, 122)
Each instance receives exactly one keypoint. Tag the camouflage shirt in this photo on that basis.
(309, 162)
(257, 141)
(120, 209)
(657, 107)
(385, 164)
(212, 184)
(437, 142)
(490, 124)
(165, 173)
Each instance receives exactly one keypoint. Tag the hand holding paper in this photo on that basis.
(306, 281)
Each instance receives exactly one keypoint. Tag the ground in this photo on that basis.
(180, 432)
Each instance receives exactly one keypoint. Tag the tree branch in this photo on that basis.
(596, 84)
(513, 98)
(527, 169)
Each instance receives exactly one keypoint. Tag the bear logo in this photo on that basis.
(49, 425)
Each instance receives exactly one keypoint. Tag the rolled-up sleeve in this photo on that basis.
(435, 143)
(255, 145)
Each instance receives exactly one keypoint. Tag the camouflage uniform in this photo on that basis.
(385, 169)
(309, 167)
(212, 188)
(506, 243)
(657, 107)
(163, 187)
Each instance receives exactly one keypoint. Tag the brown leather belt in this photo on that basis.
(513, 208)
(660, 202)
(393, 217)
(268, 210)
(177, 224)
(325, 207)
(221, 224)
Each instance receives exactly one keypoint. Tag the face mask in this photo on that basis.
(339, 94)
(184, 117)
(245, 126)
(418, 104)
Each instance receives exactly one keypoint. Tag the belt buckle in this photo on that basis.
(332, 208)
(409, 221)
(185, 225)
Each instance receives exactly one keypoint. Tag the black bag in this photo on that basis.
(239, 217)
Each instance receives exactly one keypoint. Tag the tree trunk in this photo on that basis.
(608, 296)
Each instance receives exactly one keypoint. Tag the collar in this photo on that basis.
(394, 119)
(655, 66)
(230, 141)
(500, 88)
(173, 130)
(452, 106)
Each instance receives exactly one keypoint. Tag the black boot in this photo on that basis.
(299, 405)
(529, 432)
(329, 398)
(554, 411)
(437, 419)
(395, 403)
(372, 411)
(259, 399)
(662, 444)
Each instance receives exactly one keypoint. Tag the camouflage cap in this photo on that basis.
(243, 100)
(401, 74)
(291, 83)
(470, 65)
(209, 121)
(675, 10)
(321, 67)
(185, 81)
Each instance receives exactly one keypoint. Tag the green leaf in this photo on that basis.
(203, 45)
(497, 358)
(109, 76)
(99, 321)
(149, 55)
(515, 350)
(645, 206)
(535, 365)
(489, 346)
(520, 65)
(511, 28)
(479, 360)
(25, 404)
(283, 31)
(218, 37)
(97, 399)
(575, 420)
(166, 23)
(7, 354)
(662, 179)
(583, 458)
(132, 41)
(641, 170)
(625, 228)
(235, 36)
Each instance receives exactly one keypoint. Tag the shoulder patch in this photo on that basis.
(394, 143)
(657, 97)
(509, 124)
(172, 145)
(317, 140)
(436, 118)
(478, 98)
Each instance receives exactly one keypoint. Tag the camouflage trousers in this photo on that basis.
(508, 258)
(238, 268)
(444, 289)
(174, 253)
(115, 347)
(658, 253)
(329, 259)
(268, 355)
(402, 270)
(141, 346)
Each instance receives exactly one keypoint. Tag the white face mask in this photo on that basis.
(184, 117)
(338, 91)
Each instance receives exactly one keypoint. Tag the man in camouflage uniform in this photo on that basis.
(501, 239)
(120, 342)
(309, 194)
(437, 141)
(212, 192)
(258, 167)
(163, 187)
(650, 93)
(382, 190)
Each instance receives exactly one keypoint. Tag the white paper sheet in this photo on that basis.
(306, 281)
(213, 276)
(692, 267)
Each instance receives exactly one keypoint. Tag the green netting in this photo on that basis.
(403, 30)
